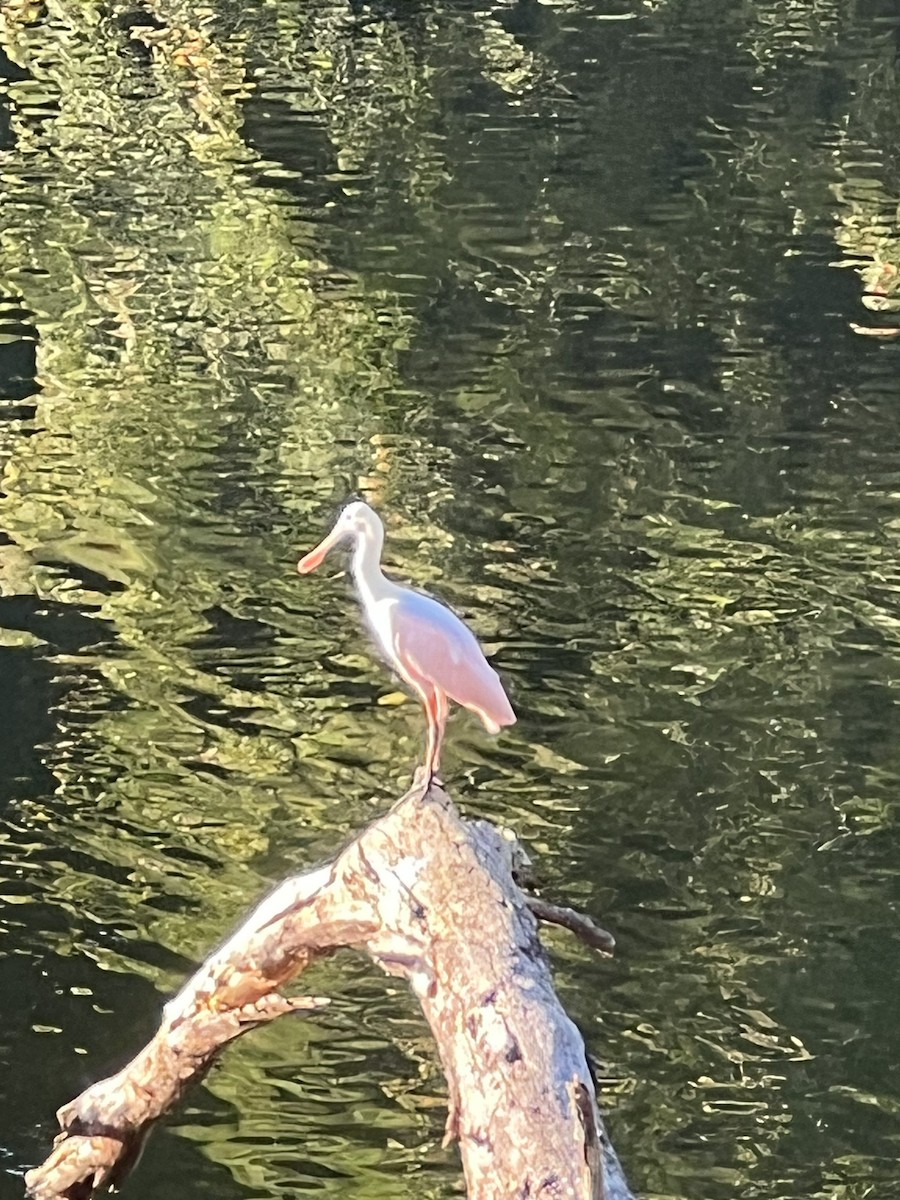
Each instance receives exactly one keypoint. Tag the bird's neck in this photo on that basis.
(366, 566)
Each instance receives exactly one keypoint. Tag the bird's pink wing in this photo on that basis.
(436, 647)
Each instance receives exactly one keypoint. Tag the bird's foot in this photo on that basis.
(426, 777)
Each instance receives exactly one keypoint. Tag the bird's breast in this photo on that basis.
(380, 619)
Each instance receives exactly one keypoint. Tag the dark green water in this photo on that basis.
(596, 301)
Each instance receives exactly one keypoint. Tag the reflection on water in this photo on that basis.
(597, 302)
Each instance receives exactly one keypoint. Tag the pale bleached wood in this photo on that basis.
(431, 898)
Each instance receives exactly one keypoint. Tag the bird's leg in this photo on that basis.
(441, 712)
(427, 696)
(432, 745)
(436, 708)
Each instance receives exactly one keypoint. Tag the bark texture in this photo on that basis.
(433, 899)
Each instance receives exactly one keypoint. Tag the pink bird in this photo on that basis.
(427, 645)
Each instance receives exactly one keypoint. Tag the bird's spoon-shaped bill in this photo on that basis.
(316, 556)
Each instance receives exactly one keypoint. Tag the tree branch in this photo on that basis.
(430, 898)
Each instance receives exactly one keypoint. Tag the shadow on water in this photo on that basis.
(598, 303)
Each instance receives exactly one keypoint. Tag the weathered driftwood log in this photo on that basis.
(431, 898)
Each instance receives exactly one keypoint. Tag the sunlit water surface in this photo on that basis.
(596, 302)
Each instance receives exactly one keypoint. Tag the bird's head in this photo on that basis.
(355, 522)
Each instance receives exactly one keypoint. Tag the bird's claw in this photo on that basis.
(425, 778)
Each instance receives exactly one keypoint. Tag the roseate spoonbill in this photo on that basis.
(427, 645)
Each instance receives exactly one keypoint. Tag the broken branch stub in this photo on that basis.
(432, 899)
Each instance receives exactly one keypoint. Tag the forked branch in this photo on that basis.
(431, 898)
